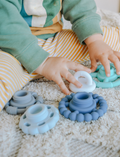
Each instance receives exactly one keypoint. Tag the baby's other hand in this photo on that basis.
(100, 51)
(54, 68)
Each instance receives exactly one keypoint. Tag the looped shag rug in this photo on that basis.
(67, 138)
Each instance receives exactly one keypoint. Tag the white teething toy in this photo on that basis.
(88, 85)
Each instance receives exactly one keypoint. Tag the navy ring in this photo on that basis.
(83, 106)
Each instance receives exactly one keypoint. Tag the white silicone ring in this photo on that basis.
(88, 85)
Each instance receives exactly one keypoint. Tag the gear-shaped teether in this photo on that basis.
(83, 106)
(103, 80)
(38, 119)
(21, 100)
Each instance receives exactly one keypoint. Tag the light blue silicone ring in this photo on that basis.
(82, 106)
(104, 81)
(38, 119)
(21, 100)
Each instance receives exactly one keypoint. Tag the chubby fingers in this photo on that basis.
(93, 65)
(68, 76)
(77, 67)
(114, 58)
(57, 79)
(105, 62)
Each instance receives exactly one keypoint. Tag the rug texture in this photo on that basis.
(67, 138)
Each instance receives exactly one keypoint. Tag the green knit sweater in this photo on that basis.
(17, 16)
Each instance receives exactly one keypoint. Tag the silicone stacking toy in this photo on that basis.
(88, 85)
(83, 106)
(39, 118)
(106, 82)
(21, 100)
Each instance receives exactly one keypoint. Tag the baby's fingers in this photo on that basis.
(93, 65)
(115, 59)
(68, 76)
(105, 62)
(61, 84)
(77, 67)
(117, 54)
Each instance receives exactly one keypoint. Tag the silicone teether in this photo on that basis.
(38, 119)
(88, 85)
(21, 100)
(83, 106)
(104, 81)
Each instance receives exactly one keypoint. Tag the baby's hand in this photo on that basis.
(100, 51)
(54, 68)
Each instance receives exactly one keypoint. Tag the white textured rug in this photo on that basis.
(99, 138)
